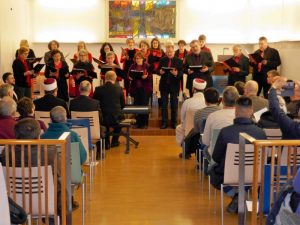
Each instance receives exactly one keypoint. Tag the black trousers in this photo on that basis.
(164, 106)
(116, 130)
(261, 79)
(234, 78)
(141, 98)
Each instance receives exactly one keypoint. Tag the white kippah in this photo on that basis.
(50, 84)
(199, 84)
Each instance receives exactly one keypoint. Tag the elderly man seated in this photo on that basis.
(8, 108)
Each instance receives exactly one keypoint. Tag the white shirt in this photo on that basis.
(194, 103)
(217, 120)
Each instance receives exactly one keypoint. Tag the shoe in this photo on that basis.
(187, 156)
(163, 126)
(233, 205)
(115, 144)
(75, 205)
(173, 126)
(107, 146)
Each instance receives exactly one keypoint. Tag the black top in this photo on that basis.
(48, 102)
(31, 55)
(19, 70)
(89, 68)
(112, 102)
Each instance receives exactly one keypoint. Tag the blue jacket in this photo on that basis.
(55, 130)
(290, 128)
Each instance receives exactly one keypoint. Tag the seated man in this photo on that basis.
(58, 126)
(221, 118)
(8, 108)
(230, 134)
(6, 90)
(258, 102)
(194, 103)
(112, 102)
(9, 78)
(49, 100)
(211, 96)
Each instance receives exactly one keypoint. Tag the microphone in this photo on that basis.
(224, 50)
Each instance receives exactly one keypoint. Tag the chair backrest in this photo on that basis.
(273, 134)
(294, 156)
(83, 134)
(231, 169)
(214, 137)
(189, 121)
(44, 116)
(83, 123)
(4, 207)
(93, 116)
(75, 163)
(34, 183)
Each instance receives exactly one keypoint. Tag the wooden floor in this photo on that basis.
(150, 186)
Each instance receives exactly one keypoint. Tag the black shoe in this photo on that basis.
(187, 156)
(75, 205)
(115, 144)
(107, 146)
(233, 205)
(163, 126)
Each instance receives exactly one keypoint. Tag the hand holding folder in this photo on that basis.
(196, 68)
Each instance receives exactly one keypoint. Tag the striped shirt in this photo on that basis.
(201, 115)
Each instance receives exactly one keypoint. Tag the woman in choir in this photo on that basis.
(127, 56)
(239, 72)
(181, 52)
(145, 48)
(110, 65)
(140, 87)
(83, 70)
(31, 55)
(59, 70)
(156, 53)
(22, 73)
(52, 45)
(105, 48)
(82, 45)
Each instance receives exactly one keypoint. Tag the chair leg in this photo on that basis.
(203, 175)
(222, 204)
(83, 198)
(208, 187)
(183, 151)
(215, 201)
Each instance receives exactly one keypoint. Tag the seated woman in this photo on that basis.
(59, 70)
(82, 45)
(52, 45)
(31, 55)
(140, 86)
(83, 70)
(8, 109)
(25, 108)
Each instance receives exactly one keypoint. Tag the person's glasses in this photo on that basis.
(82, 55)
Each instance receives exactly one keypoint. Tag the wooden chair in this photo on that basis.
(44, 116)
(189, 125)
(273, 134)
(4, 207)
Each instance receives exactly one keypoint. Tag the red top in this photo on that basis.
(28, 78)
(205, 49)
(57, 67)
(7, 127)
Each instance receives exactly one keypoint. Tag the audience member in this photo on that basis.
(240, 86)
(192, 104)
(272, 75)
(230, 134)
(49, 100)
(221, 118)
(211, 96)
(6, 90)
(258, 102)
(8, 108)
(25, 108)
(9, 78)
(59, 125)
(290, 128)
(112, 102)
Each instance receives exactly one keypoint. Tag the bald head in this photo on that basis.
(251, 88)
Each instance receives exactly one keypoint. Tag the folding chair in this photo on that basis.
(44, 116)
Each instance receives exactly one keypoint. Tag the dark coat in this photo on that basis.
(169, 82)
(112, 102)
(31, 55)
(19, 70)
(205, 59)
(273, 58)
(48, 102)
(244, 71)
(145, 84)
(227, 135)
(62, 86)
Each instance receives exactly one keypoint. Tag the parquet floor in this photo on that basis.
(150, 186)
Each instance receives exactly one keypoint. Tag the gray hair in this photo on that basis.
(7, 106)
(85, 86)
(58, 114)
(5, 89)
(230, 95)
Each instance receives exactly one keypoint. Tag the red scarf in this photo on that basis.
(57, 67)
(28, 78)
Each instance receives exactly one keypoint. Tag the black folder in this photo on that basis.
(231, 63)
(34, 60)
(98, 61)
(52, 69)
(76, 71)
(136, 74)
(38, 67)
(105, 68)
(196, 67)
(257, 57)
(167, 69)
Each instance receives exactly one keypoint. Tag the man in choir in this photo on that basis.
(271, 60)
(49, 100)
(258, 102)
(199, 64)
(170, 70)
(230, 134)
(9, 78)
(112, 102)
(239, 72)
(192, 104)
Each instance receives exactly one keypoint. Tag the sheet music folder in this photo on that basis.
(257, 57)
(38, 67)
(136, 74)
(196, 67)
(231, 63)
